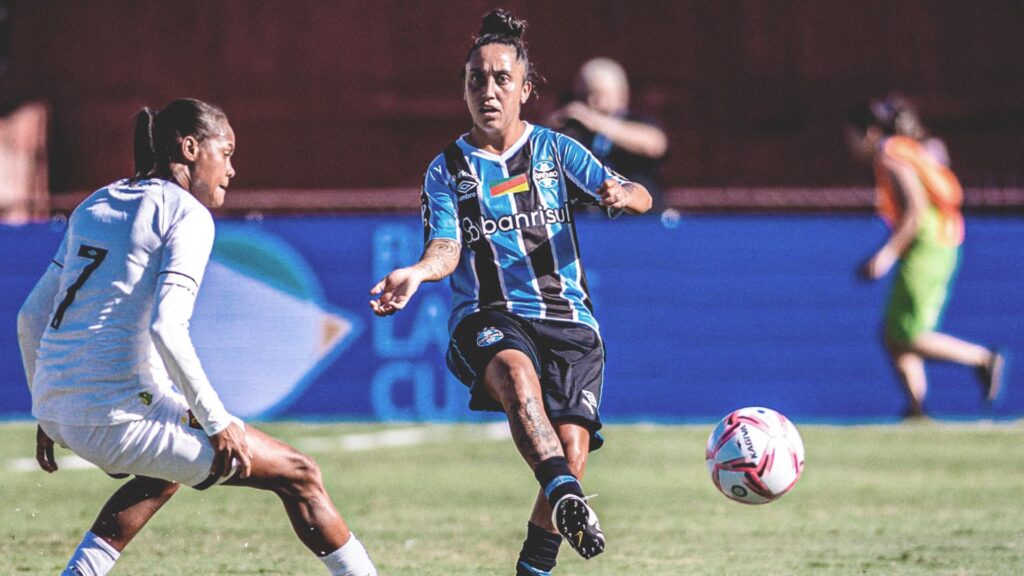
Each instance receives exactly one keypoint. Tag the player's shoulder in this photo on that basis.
(541, 134)
(436, 175)
(177, 199)
(438, 165)
(563, 142)
(102, 196)
(177, 205)
(900, 148)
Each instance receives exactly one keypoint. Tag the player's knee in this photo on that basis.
(169, 489)
(510, 378)
(577, 459)
(156, 488)
(304, 476)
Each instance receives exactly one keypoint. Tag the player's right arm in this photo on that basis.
(185, 256)
(441, 253)
(439, 259)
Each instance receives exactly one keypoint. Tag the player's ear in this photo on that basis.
(190, 148)
(527, 90)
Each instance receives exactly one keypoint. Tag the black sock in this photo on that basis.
(556, 479)
(540, 550)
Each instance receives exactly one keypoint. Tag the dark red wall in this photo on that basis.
(337, 94)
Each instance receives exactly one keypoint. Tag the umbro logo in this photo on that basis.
(466, 185)
(590, 401)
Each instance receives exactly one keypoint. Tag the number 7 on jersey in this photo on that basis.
(90, 253)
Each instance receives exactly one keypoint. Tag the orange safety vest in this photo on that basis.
(941, 186)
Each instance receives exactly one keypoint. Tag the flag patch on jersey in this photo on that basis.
(511, 185)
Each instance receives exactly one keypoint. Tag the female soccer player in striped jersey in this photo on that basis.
(498, 217)
(104, 334)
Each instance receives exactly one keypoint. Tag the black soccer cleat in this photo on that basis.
(578, 524)
(991, 376)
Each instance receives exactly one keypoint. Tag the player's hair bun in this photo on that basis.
(502, 23)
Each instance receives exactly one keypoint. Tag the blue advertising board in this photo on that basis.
(700, 316)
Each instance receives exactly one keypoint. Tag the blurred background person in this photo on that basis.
(919, 198)
(906, 121)
(599, 117)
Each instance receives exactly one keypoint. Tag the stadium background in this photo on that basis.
(747, 297)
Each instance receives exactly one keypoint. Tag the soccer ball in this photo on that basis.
(755, 455)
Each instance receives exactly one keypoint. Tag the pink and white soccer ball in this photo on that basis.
(755, 455)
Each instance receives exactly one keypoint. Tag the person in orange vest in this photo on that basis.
(919, 197)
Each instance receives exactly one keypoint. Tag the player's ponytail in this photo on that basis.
(143, 150)
(501, 27)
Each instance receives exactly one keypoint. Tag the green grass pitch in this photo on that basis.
(930, 499)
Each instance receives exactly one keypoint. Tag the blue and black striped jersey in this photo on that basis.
(513, 215)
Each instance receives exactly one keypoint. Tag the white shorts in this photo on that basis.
(168, 444)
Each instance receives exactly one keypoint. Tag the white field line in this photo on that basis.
(402, 438)
(345, 443)
(70, 462)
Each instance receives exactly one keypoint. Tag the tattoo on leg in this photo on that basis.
(532, 432)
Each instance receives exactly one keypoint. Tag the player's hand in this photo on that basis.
(879, 264)
(44, 451)
(229, 445)
(614, 195)
(395, 290)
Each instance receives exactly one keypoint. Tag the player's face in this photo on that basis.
(496, 87)
(862, 144)
(212, 169)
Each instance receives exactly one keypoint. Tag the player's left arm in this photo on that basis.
(32, 318)
(606, 187)
(629, 197)
(912, 197)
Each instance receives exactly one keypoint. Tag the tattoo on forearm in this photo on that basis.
(532, 432)
(440, 258)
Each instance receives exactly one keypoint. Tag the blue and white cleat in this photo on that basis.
(578, 524)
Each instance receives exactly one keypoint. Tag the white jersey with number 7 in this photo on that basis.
(96, 362)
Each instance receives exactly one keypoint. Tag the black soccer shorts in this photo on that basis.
(568, 358)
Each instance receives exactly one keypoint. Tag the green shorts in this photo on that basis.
(920, 291)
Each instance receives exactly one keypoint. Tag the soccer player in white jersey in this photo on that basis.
(104, 339)
(498, 215)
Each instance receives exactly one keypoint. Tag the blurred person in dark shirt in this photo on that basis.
(599, 118)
